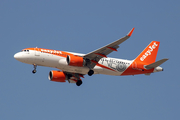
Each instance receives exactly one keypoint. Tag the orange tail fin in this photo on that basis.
(148, 55)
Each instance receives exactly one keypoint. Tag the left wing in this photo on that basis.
(96, 55)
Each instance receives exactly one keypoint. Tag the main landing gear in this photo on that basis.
(34, 71)
(79, 82)
(91, 72)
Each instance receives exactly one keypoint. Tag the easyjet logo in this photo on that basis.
(51, 51)
(149, 51)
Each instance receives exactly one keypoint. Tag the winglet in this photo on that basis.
(130, 33)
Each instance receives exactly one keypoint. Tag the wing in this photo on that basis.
(96, 55)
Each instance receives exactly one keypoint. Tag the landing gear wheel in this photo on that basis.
(91, 72)
(79, 82)
(34, 71)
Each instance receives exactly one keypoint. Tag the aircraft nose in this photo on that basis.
(17, 56)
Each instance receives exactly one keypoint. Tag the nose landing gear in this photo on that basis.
(34, 71)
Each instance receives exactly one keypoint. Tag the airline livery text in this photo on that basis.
(149, 51)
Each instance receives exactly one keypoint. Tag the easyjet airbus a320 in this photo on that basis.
(75, 65)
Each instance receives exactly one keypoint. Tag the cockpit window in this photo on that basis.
(25, 50)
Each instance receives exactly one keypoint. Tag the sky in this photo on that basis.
(82, 26)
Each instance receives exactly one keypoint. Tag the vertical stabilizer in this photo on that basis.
(148, 55)
(145, 58)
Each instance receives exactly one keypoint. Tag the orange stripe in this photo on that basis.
(94, 61)
(112, 48)
(106, 67)
(102, 65)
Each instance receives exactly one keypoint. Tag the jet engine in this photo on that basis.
(73, 60)
(57, 76)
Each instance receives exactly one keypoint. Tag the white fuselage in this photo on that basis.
(108, 66)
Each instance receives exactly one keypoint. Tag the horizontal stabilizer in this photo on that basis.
(156, 64)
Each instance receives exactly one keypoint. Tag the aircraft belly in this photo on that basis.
(110, 72)
(73, 69)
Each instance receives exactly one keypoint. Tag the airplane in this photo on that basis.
(73, 66)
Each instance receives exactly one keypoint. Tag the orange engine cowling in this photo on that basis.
(75, 61)
(57, 76)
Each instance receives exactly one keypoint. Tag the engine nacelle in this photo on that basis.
(73, 60)
(57, 76)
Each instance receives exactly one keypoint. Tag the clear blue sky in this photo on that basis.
(83, 26)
